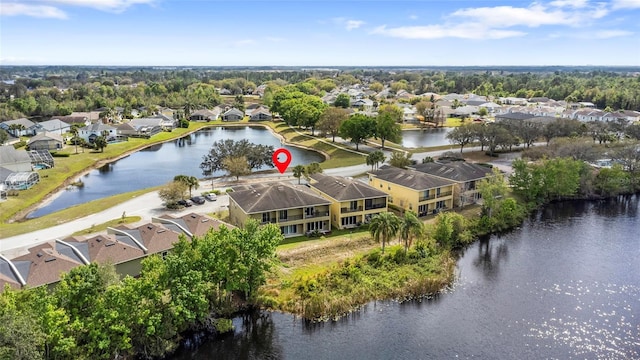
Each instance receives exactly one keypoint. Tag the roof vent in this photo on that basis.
(150, 227)
(193, 216)
(109, 244)
(40, 254)
(50, 259)
(160, 231)
(205, 220)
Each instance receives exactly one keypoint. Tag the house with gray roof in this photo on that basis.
(232, 114)
(91, 132)
(56, 126)
(297, 210)
(14, 160)
(413, 190)
(190, 224)
(20, 127)
(466, 175)
(353, 202)
(206, 114)
(513, 116)
(46, 141)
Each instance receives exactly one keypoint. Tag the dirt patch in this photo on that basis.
(329, 251)
(477, 156)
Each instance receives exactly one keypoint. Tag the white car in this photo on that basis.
(211, 197)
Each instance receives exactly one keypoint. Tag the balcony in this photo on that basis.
(316, 214)
(375, 206)
(269, 221)
(425, 198)
(350, 210)
(443, 194)
(290, 218)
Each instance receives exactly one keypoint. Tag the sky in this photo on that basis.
(319, 33)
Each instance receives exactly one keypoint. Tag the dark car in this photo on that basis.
(185, 203)
(198, 200)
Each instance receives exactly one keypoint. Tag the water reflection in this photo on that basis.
(491, 253)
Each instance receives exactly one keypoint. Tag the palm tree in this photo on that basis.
(100, 143)
(375, 158)
(74, 131)
(190, 181)
(384, 226)
(410, 227)
(188, 106)
(298, 172)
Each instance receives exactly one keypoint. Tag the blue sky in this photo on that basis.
(320, 33)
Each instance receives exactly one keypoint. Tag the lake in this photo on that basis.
(425, 138)
(564, 285)
(158, 164)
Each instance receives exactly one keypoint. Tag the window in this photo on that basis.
(308, 211)
(315, 225)
(438, 192)
(353, 205)
(283, 214)
(348, 220)
(290, 229)
(422, 210)
(266, 217)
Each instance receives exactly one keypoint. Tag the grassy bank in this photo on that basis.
(326, 280)
(111, 223)
(66, 215)
(67, 169)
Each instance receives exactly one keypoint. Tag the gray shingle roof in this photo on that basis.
(514, 116)
(9, 155)
(45, 136)
(459, 171)
(22, 121)
(409, 178)
(343, 189)
(277, 196)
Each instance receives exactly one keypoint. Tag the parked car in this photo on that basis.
(185, 203)
(198, 200)
(211, 197)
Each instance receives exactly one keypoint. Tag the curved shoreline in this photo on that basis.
(23, 214)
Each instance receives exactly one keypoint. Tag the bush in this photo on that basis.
(223, 325)
(229, 190)
(55, 154)
(20, 144)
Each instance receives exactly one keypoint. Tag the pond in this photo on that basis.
(158, 164)
(425, 138)
(564, 285)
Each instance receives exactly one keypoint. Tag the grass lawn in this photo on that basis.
(66, 215)
(111, 223)
(338, 156)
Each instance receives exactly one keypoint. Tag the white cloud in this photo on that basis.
(533, 16)
(462, 31)
(39, 11)
(413, 17)
(105, 5)
(348, 24)
(607, 34)
(354, 24)
(626, 4)
(577, 4)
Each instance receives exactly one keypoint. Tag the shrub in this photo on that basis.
(20, 144)
(223, 325)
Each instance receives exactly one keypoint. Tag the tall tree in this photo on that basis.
(331, 120)
(342, 101)
(391, 110)
(400, 159)
(190, 181)
(384, 227)
(387, 129)
(375, 158)
(172, 193)
(298, 172)
(256, 155)
(462, 135)
(100, 143)
(357, 128)
(236, 166)
(492, 190)
(410, 228)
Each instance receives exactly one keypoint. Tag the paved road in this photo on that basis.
(150, 205)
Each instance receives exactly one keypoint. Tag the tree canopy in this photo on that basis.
(256, 155)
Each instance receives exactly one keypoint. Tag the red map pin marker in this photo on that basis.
(281, 164)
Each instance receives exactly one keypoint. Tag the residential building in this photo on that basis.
(46, 141)
(352, 202)
(260, 114)
(465, 174)
(513, 116)
(297, 210)
(45, 263)
(91, 132)
(413, 190)
(56, 126)
(190, 224)
(20, 127)
(206, 114)
(232, 114)
(14, 160)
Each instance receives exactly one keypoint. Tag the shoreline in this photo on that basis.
(22, 215)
